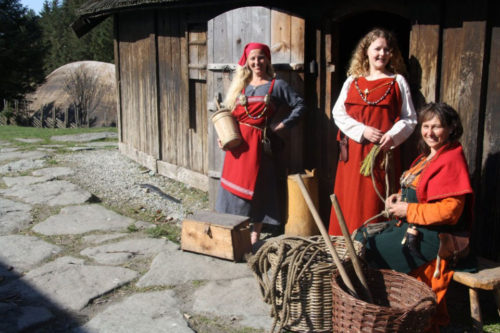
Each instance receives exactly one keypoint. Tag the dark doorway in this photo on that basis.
(352, 28)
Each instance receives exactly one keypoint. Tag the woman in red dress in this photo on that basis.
(374, 107)
(248, 181)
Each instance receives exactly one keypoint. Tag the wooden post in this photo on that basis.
(326, 238)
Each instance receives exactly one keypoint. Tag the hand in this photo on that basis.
(372, 134)
(386, 142)
(278, 127)
(392, 199)
(398, 209)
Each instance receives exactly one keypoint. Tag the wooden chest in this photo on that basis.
(220, 235)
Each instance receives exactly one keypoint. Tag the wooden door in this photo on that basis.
(227, 35)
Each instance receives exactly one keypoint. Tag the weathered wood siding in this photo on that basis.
(166, 94)
(138, 90)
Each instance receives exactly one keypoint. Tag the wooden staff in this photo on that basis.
(324, 233)
(350, 248)
(217, 102)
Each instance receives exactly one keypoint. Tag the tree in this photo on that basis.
(21, 50)
(61, 41)
(86, 94)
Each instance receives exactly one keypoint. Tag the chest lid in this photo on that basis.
(222, 220)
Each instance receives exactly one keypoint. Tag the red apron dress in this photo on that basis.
(356, 195)
(241, 164)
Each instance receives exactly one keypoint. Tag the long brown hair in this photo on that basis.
(359, 65)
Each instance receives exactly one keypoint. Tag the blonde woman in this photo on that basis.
(248, 181)
(374, 107)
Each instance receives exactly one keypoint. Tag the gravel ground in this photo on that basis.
(119, 183)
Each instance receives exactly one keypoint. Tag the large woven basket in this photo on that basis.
(295, 275)
(401, 303)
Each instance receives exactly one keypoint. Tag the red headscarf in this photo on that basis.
(254, 46)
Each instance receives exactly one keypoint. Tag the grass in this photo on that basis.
(10, 133)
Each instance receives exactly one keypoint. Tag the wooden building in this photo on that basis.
(173, 57)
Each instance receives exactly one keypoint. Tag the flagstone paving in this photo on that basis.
(68, 264)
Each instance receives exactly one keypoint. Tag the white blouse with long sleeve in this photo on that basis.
(354, 129)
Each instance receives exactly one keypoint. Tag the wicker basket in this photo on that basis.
(295, 275)
(402, 303)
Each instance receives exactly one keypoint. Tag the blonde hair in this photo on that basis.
(359, 65)
(241, 79)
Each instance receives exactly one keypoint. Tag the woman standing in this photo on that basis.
(248, 181)
(435, 197)
(374, 107)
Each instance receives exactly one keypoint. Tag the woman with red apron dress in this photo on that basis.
(248, 181)
(374, 107)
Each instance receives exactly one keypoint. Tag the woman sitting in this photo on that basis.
(435, 197)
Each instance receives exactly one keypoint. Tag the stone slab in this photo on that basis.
(18, 155)
(140, 313)
(24, 180)
(219, 297)
(53, 172)
(98, 239)
(121, 252)
(14, 318)
(81, 219)
(79, 148)
(173, 267)
(84, 137)
(52, 193)
(8, 149)
(14, 216)
(21, 166)
(103, 144)
(25, 252)
(28, 140)
(68, 283)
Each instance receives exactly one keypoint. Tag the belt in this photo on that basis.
(249, 125)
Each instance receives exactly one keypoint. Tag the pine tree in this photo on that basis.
(21, 50)
(63, 44)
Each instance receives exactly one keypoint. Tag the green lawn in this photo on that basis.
(11, 133)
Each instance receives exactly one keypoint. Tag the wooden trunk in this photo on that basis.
(220, 235)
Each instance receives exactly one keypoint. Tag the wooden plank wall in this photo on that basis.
(488, 214)
(182, 101)
(137, 54)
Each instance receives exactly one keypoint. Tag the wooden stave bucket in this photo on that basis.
(227, 129)
(300, 221)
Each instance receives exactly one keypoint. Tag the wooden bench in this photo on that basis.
(487, 278)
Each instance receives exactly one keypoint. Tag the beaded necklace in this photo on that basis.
(242, 99)
(364, 97)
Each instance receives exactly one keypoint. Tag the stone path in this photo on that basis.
(76, 268)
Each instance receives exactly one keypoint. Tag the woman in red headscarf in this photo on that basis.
(248, 181)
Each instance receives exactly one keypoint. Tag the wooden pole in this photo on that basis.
(324, 233)
(350, 248)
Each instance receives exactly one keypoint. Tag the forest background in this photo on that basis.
(33, 45)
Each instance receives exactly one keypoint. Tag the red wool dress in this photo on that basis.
(241, 164)
(355, 193)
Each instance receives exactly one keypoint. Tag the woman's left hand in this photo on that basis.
(386, 142)
(278, 127)
(398, 209)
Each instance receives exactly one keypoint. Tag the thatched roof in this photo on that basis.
(52, 94)
(94, 12)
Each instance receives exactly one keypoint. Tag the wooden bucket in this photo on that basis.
(226, 128)
(300, 221)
